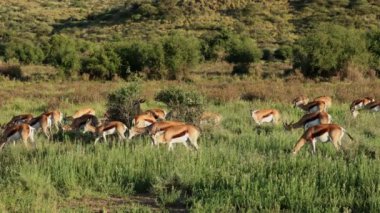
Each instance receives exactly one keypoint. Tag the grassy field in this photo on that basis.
(239, 167)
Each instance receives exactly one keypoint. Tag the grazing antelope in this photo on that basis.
(78, 123)
(360, 104)
(44, 122)
(103, 130)
(303, 100)
(178, 134)
(56, 118)
(143, 120)
(158, 114)
(16, 132)
(153, 128)
(314, 106)
(210, 118)
(322, 133)
(81, 112)
(266, 116)
(19, 119)
(309, 120)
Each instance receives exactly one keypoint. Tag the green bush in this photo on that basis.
(328, 48)
(63, 54)
(374, 48)
(103, 63)
(181, 53)
(243, 50)
(140, 55)
(268, 55)
(214, 45)
(284, 52)
(124, 104)
(25, 51)
(186, 105)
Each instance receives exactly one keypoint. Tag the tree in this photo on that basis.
(243, 51)
(63, 54)
(328, 48)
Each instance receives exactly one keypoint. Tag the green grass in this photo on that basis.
(240, 167)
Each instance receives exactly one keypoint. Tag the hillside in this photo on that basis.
(269, 22)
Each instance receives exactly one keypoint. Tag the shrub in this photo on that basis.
(268, 55)
(63, 54)
(328, 48)
(25, 51)
(186, 105)
(213, 46)
(124, 104)
(243, 51)
(139, 55)
(180, 53)
(284, 52)
(103, 63)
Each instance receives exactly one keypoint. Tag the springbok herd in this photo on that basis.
(316, 123)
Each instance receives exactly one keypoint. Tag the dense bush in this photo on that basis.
(214, 45)
(103, 63)
(181, 53)
(243, 51)
(139, 55)
(63, 54)
(284, 52)
(328, 48)
(186, 105)
(25, 51)
(124, 104)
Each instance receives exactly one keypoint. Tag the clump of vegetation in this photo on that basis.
(328, 48)
(185, 105)
(243, 51)
(284, 52)
(103, 63)
(63, 54)
(124, 104)
(181, 53)
(24, 51)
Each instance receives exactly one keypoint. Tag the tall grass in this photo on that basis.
(240, 167)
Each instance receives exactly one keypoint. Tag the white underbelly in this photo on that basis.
(312, 123)
(14, 137)
(314, 109)
(181, 139)
(37, 125)
(376, 109)
(110, 131)
(323, 138)
(267, 119)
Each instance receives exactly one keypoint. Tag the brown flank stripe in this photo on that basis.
(267, 115)
(312, 118)
(180, 134)
(318, 133)
(109, 127)
(13, 131)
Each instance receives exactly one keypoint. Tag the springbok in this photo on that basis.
(360, 104)
(143, 120)
(210, 118)
(19, 119)
(112, 127)
(314, 106)
(153, 128)
(81, 112)
(309, 120)
(56, 118)
(16, 132)
(158, 114)
(178, 134)
(322, 133)
(266, 116)
(78, 123)
(44, 122)
(303, 100)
